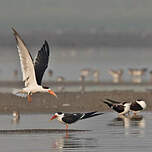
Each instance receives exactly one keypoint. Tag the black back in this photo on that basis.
(41, 62)
(71, 118)
(118, 108)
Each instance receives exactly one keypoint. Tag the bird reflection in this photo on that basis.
(138, 121)
(129, 121)
(63, 142)
(133, 124)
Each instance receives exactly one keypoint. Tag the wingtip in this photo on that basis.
(46, 43)
(13, 29)
(110, 100)
(105, 100)
(101, 113)
(15, 32)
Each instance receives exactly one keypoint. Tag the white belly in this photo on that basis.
(32, 89)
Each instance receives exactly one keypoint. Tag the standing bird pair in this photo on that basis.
(32, 70)
(125, 107)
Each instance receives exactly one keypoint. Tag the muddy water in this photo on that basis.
(103, 133)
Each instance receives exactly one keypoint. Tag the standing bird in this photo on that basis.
(32, 70)
(69, 118)
(121, 107)
(138, 106)
(16, 117)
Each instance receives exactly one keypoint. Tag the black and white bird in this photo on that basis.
(32, 70)
(138, 106)
(69, 118)
(121, 108)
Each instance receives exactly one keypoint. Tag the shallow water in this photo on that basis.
(110, 87)
(69, 62)
(106, 133)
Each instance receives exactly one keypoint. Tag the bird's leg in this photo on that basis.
(128, 113)
(29, 97)
(67, 135)
(67, 127)
(134, 114)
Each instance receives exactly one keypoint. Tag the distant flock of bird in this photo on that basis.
(33, 71)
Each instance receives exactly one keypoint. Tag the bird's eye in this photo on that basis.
(59, 113)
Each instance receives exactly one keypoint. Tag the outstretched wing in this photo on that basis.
(26, 61)
(41, 62)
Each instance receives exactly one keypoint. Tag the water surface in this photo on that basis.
(69, 62)
(106, 133)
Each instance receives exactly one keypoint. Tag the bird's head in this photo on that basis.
(56, 115)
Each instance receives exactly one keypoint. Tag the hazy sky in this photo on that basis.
(48, 14)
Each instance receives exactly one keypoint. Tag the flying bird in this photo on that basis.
(120, 107)
(32, 70)
(138, 106)
(69, 118)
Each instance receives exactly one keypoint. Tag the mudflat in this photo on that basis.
(69, 101)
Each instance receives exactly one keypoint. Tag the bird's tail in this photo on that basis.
(90, 114)
(109, 104)
(19, 93)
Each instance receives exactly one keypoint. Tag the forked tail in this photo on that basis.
(19, 93)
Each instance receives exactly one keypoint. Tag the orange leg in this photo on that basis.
(67, 135)
(29, 98)
(67, 127)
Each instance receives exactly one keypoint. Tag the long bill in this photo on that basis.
(53, 117)
(52, 93)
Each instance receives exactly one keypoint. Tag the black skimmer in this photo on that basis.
(138, 106)
(69, 118)
(121, 107)
(32, 70)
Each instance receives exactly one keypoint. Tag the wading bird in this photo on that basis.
(121, 107)
(32, 70)
(138, 106)
(69, 118)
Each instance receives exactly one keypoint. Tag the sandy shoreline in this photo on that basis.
(69, 101)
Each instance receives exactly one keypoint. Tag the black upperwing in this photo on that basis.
(41, 62)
